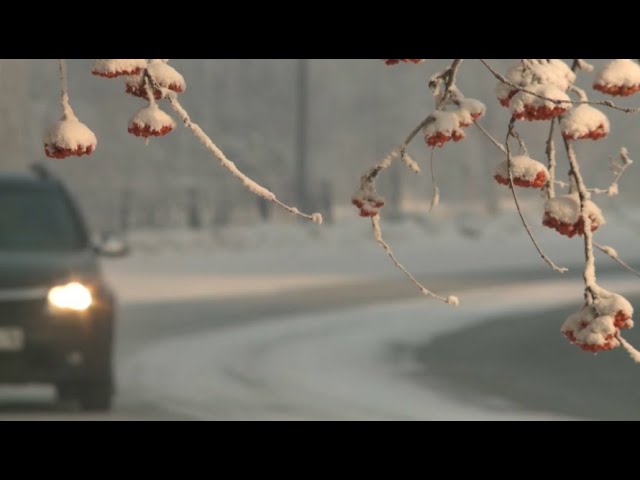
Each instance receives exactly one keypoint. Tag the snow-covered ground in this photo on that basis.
(270, 258)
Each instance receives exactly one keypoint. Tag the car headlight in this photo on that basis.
(72, 296)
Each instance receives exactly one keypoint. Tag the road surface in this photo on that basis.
(147, 326)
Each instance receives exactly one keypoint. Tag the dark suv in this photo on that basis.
(56, 312)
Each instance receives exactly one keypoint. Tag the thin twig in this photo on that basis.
(523, 146)
(611, 253)
(377, 233)
(371, 175)
(604, 103)
(498, 145)
(517, 203)
(633, 353)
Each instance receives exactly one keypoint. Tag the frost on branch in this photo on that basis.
(117, 68)
(68, 136)
(621, 77)
(170, 95)
(563, 214)
(584, 122)
(377, 234)
(526, 172)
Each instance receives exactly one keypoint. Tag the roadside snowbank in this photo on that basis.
(268, 258)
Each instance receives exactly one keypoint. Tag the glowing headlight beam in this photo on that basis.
(72, 296)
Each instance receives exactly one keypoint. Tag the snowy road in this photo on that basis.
(315, 353)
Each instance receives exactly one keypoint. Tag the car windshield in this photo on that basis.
(34, 218)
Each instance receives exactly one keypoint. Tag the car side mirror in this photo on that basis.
(111, 246)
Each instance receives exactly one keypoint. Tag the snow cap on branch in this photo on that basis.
(621, 77)
(163, 74)
(616, 306)
(562, 213)
(590, 331)
(526, 172)
(584, 122)
(151, 121)
(116, 68)
(469, 110)
(531, 107)
(443, 127)
(528, 72)
(69, 137)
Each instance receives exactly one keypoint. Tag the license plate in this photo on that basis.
(11, 339)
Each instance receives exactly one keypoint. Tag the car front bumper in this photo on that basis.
(55, 347)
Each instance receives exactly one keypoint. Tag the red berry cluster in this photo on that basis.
(568, 229)
(147, 131)
(532, 112)
(438, 139)
(609, 343)
(598, 133)
(56, 151)
(617, 90)
(369, 205)
(405, 60)
(538, 182)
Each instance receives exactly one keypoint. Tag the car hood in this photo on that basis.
(36, 269)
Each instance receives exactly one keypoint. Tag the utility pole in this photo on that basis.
(301, 187)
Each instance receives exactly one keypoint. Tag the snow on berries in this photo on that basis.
(531, 107)
(615, 305)
(151, 121)
(591, 331)
(163, 74)
(469, 110)
(367, 200)
(530, 72)
(526, 172)
(443, 127)
(562, 213)
(585, 122)
(69, 137)
(117, 68)
(619, 78)
(406, 60)
(596, 327)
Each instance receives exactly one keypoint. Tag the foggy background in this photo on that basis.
(230, 309)
(356, 111)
